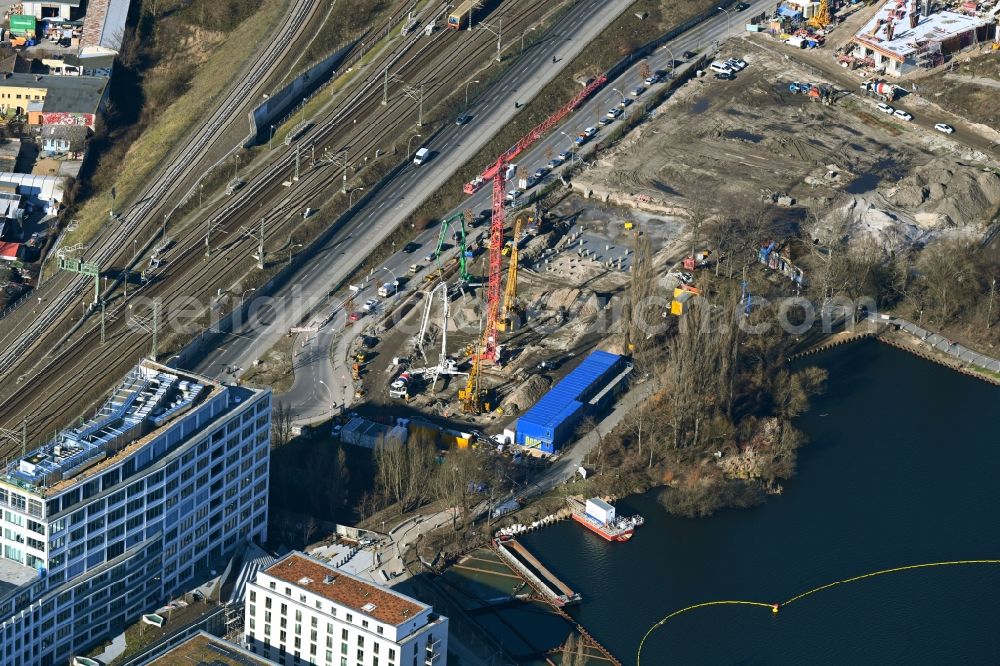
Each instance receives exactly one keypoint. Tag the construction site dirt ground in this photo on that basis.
(572, 275)
(730, 144)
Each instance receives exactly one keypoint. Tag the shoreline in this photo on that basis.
(894, 336)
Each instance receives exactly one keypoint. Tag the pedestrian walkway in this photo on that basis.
(940, 343)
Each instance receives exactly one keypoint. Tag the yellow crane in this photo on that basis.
(821, 18)
(471, 396)
(510, 291)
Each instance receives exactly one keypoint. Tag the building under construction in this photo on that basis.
(904, 35)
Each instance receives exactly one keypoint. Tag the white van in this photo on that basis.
(422, 156)
(720, 67)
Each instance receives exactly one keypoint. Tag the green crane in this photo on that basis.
(463, 273)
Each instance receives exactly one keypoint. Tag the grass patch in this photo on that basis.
(171, 107)
(274, 368)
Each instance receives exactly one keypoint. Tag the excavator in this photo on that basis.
(463, 273)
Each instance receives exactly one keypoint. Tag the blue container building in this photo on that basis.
(550, 424)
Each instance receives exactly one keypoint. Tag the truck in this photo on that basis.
(387, 289)
(421, 156)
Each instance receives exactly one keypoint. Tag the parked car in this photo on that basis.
(725, 76)
(565, 155)
(625, 102)
(513, 195)
(370, 305)
(580, 139)
(540, 172)
(531, 181)
(553, 163)
(604, 122)
(354, 316)
(613, 112)
(885, 108)
(947, 129)
(902, 115)
(590, 132)
(652, 79)
(737, 63)
(638, 90)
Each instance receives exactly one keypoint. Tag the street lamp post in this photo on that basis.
(467, 93)
(350, 198)
(531, 29)
(328, 390)
(270, 139)
(572, 153)
(408, 144)
(244, 295)
(395, 280)
(290, 248)
(620, 93)
(728, 17)
(672, 59)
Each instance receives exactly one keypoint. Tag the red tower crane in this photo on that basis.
(497, 173)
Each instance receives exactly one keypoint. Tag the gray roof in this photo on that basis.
(75, 134)
(68, 94)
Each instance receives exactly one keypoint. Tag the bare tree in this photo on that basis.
(281, 425)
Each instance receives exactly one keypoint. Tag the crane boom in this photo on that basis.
(531, 137)
(497, 173)
(510, 291)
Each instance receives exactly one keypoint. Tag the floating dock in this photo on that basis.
(536, 574)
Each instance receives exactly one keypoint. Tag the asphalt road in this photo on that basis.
(320, 388)
(384, 212)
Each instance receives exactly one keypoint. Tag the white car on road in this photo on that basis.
(947, 129)
(885, 108)
(902, 115)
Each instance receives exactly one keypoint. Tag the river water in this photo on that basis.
(901, 467)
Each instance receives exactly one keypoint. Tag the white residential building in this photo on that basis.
(301, 610)
(110, 518)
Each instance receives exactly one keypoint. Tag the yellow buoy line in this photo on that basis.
(775, 607)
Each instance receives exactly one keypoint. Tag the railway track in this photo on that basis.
(83, 361)
(113, 238)
(110, 247)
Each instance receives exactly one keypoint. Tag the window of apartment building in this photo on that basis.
(361, 655)
(329, 656)
(343, 634)
(298, 642)
(136, 488)
(392, 653)
(267, 602)
(364, 623)
(375, 648)
(284, 622)
(267, 615)
(350, 618)
(267, 630)
(361, 641)
(282, 637)
(253, 609)
(312, 635)
(314, 622)
(271, 585)
(298, 629)
(284, 609)
(253, 597)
